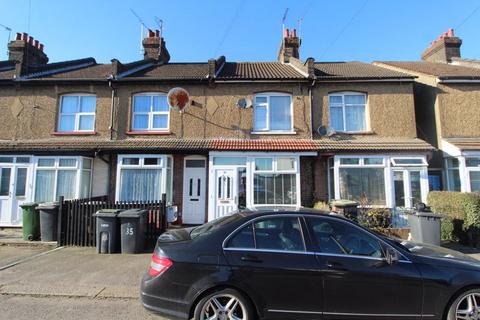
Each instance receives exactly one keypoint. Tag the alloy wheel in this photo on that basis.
(223, 307)
(469, 307)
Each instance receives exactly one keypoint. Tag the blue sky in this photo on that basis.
(242, 30)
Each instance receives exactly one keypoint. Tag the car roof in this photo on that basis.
(280, 210)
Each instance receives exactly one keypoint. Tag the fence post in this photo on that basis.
(164, 213)
(59, 221)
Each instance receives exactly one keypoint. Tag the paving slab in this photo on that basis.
(61, 308)
(75, 271)
(10, 254)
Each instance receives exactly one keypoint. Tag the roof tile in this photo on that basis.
(441, 70)
(354, 70)
(258, 70)
(323, 145)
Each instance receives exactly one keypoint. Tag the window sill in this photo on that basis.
(75, 133)
(142, 133)
(275, 132)
(363, 133)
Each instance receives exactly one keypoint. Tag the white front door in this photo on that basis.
(194, 187)
(226, 191)
(14, 191)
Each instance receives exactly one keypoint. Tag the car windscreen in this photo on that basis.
(214, 224)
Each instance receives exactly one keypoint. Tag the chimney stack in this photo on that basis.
(290, 46)
(446, 47)
(27, 53)
(154, 47)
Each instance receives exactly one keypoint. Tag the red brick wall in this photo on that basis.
(306, 181)
(320, 173)
(178, 183)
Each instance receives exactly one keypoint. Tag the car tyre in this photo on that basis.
(465, 306)
(226, 304)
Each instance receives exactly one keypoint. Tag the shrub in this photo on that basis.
(461, 212)
(320, 205)
(378, 219)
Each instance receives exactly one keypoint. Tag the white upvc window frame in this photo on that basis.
(163, 166)
(151, 114)
(464, 171)
(389, 169)
(56, 167)
(343, 105)
(77, 114)
(267, 129)
(469, 170)
(250, 171)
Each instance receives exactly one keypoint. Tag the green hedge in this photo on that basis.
(461, 210)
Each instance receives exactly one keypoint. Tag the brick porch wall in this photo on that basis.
(320, 173)
(178, 183)
(306, 181)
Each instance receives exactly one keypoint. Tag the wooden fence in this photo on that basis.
(77, 225)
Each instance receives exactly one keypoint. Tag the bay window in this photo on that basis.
(150, 112)
(275, 181)
(363, 183)
(373, 180)
(453, 174)
(473, 169)
(69, 177)
(77, 113)
(347, 111)
(273, 113)
(144, 177)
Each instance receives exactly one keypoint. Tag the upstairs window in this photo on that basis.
(347, 111)
(150, 112)
(77, 113)
(273, 113)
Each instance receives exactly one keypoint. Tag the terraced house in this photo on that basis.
(447, 94)
(288, 132)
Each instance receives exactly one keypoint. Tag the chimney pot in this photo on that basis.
(157, 33)
(151, 34)
(294, 33)
(36, 43)
(25, 36)
(451, 32)
(40, 46)
(30, 41)
(19, 36)
(286, 33)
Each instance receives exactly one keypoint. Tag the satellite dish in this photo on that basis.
(178, 99)
(244, 103)
(322, 131)
(326, 131)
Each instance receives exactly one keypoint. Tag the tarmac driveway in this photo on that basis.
(46, 282)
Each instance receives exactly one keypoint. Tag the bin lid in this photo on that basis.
(107, 212)
(427, 214)
(132, 213)
(344, 203)
(28, 205)
(48, 205)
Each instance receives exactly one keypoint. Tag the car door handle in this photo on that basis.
(249, 258)
(335, 266)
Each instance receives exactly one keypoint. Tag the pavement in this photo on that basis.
(39, 282)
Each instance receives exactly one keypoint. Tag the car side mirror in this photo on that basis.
(391, 256)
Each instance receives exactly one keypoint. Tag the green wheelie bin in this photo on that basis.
(31, 221)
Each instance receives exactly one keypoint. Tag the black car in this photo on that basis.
(305, 264)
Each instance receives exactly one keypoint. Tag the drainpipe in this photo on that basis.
(310, 94)
(112, 108)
